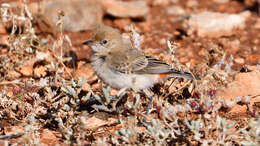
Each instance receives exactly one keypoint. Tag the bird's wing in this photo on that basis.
(155, 66)
(136, 63)
(133, 61)
(127, 61)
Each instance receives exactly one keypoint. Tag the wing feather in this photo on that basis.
(128, 62)
(155, 66)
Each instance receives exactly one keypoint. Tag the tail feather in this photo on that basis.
(177, 74)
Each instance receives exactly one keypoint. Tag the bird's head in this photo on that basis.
(104, 39)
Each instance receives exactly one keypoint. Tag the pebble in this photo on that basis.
(214, 24)
(133, 9)
(239, 60)
(79, 14)
(175, 10)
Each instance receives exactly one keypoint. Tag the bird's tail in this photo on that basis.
(178, 74)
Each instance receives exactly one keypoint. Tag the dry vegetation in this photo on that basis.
(42, 101)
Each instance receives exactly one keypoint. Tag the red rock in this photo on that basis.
(175, 10)
(79, 14)
(254, 58)
(3, 39)
(221, 1)
(255, 99)
(97, 121)
(12, 74)
(48, 137)
(27, 70)
(192, 3)
(244, 84)
(2, 29)
(239, 60)
(40, 71)
(212, 24)
(202, 52)
(160, 2)
(238, 109)
(122, 23)
(125, 9)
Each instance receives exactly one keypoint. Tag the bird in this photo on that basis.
(122, 66)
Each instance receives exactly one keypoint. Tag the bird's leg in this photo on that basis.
(148, 93)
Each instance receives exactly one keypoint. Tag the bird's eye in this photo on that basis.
(104, 41)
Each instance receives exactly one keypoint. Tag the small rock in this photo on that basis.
(221, 1)
(122, 23)
(12, 74)
(202, 52)
(238, 109)
(40, 71)
(93, 123)
(124, 9)
(192, 3)
(255, 100)
(212, 24)
(79, 14)
(239, 60)
(3, 39)
(97, 121)
(27, 70)
(175, 10)
(252, 67)
(244, 84)
(2, 28)
(254, 58)
(160, 2)
(48, 138)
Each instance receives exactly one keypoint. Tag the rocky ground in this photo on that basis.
(50, 94)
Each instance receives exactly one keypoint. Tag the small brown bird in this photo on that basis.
(122, 66)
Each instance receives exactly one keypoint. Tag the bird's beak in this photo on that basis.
(89, 42)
